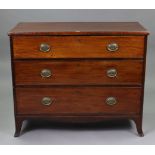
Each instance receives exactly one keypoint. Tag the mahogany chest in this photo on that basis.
(78, 71)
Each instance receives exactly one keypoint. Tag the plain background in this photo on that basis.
(50, 133)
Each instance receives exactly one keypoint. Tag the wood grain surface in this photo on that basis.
(78, 47)
(78, 100)
(75, 72)
(79, 28)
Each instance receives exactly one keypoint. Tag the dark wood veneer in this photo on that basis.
(78, 47)
(86, 72)
(78, 28)
(78, 100)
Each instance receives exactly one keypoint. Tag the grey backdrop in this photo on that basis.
(121, 133)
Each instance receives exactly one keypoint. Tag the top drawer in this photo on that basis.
(78, 47)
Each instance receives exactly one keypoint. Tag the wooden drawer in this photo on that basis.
(78, 100)
(74, 72)
(78, 46)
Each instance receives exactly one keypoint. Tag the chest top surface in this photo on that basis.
(78, 28)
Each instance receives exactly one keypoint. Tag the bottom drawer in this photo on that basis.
(78, 100)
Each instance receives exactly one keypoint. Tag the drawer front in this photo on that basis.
(73, 72)
(78, 100)
(78, 47)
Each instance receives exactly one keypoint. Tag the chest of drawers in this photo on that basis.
(78, 71)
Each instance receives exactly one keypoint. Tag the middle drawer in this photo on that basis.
(78, 72)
